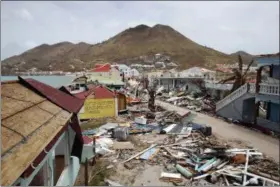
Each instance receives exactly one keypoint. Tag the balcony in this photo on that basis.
(269, 89)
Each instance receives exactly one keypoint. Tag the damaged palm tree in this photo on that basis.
(151, 88)
(239, 77)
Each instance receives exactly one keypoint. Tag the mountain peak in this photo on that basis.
(127, 46)
(139, 28)
(160, 26)
(242, 53)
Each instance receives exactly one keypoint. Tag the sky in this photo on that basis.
(227, 26)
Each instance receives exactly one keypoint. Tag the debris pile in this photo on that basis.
(188, 153)
(188, 100)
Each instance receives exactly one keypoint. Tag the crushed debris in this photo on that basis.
(170, 150)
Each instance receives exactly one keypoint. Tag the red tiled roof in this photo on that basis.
(101, 68)
(100, 92)
(65, 101)
(99, 65)
(103, 92)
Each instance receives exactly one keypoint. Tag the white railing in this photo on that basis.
(218, 86)
(252, 87)
(234, 95)
(270, 89)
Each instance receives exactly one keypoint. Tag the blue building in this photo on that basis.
(267, 98)
(257, 104)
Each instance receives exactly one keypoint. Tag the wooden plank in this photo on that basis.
(15, 163)
(136, 155)
(8, 139)
(122, 145)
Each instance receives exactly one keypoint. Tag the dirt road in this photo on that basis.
(264, 143)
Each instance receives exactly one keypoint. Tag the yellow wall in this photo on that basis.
(98, 108)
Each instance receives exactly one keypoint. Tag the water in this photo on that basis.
(54, 81)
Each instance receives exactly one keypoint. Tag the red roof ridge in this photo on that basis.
(62, 99)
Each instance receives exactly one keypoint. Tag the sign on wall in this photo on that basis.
(98, 108)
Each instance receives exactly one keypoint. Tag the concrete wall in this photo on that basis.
(274, 115)
(268, 98)
(179, 83)
(234, 110)
(249, 108)
(276, 72)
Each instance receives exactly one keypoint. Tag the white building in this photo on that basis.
(160, 65)
(123, 69)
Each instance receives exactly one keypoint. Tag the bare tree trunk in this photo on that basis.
(151, 103)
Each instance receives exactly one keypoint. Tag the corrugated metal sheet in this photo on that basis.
(56, 96)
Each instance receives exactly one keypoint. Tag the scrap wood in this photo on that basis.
(171, 177)
(225, 179)
(265, 175)
(181, 143)
(136, 155)
(222, 165)
(112, 183)
(262, 178)
(175, 156)
(246, 167)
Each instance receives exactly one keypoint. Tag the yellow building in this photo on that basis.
(99, 102)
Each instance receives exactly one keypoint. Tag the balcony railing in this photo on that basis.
(252, 87)
(269, 89)
(234, 95)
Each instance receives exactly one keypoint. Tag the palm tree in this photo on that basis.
(239, 77)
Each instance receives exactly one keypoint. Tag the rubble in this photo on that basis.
(187, 152)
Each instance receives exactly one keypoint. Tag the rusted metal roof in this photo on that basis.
(67, 102)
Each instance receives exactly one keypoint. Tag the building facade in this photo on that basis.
(267, 92)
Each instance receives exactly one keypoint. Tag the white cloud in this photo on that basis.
(24, 14)
(225, 26)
